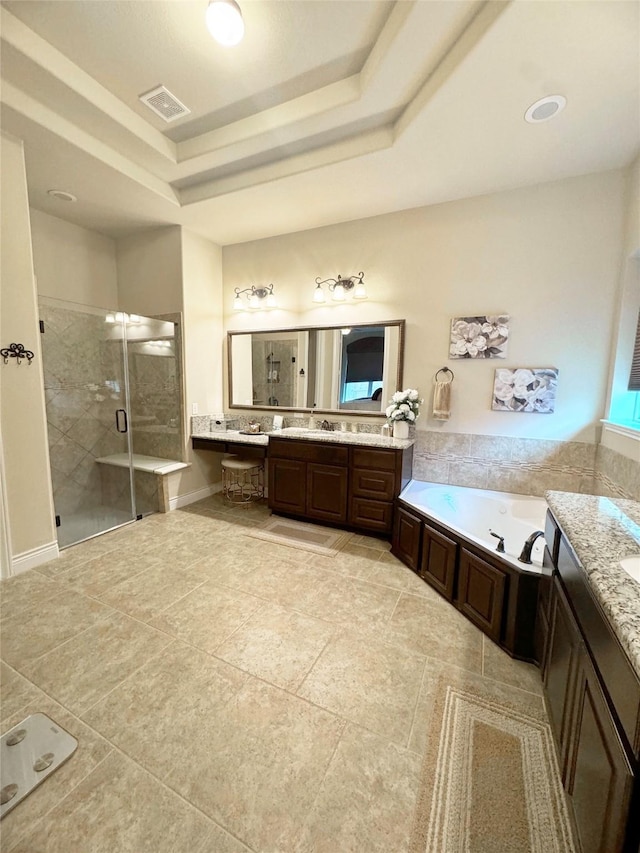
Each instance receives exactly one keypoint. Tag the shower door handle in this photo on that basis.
(121, 417)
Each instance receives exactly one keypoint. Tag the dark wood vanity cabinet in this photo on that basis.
(593, 699)
(337, 483)
(481, 593)
(405, 543)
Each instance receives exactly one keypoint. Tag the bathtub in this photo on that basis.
(471, 513)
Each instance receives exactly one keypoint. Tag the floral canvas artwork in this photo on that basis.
(525, 389)
(479, 337)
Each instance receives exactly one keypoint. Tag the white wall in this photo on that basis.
(73, 263)
(29, 502)
(547, 255)
(149, 269)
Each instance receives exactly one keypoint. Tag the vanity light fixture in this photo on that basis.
(224, 22)
(257, 297)
(340, 287)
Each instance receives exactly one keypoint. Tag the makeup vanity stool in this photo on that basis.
(242, 479)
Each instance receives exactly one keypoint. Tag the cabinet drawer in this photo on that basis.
(308, 451)
(379, 485)
(372, 515)
(378, 460)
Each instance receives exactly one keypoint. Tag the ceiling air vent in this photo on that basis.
(164, 104)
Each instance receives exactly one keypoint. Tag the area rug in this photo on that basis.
(298, 534)
(490, 781)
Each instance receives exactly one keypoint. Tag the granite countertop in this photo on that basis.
(362, 439)
(602, 531)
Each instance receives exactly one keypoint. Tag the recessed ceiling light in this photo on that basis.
(545, 108)
(224, 22)
(62, 195)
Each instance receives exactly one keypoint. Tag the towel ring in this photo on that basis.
(445, 370)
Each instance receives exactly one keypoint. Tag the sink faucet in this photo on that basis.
(326, 425)
(525, 556)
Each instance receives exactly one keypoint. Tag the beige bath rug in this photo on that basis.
(298, 534)
(490, 781)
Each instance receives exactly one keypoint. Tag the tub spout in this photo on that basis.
(525, 556)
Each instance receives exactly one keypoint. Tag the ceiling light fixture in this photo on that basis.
(62, 195)
(545, 108)
(340, 287)
(224, 22)
(257, 297)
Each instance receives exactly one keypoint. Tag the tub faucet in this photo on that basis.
(525, 556)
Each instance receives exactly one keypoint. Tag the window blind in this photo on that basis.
(634, 376)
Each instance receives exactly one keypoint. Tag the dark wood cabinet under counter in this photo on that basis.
(346, 485)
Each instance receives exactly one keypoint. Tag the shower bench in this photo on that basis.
(148, 465)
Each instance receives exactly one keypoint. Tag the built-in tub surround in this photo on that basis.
(526, 466)
(473, 513)
(602, 531)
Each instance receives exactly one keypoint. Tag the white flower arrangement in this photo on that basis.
(404, 406)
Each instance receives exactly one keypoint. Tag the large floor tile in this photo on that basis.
(498, 665)
(259, 765)
(105, 571)
(156, 716)
(83, 670)
(26, 638)
(24, 596)
(119, 807)
(92, 750)
(367, 799)
(148, 593)
(368, 682)
(277, 645)
(16, 694)
(208, 615)
(434, 627)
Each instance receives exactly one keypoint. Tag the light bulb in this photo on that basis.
(271, 301)
(339, 293)
(134, 318)
(360, 291)
(120, 317)
(237, 303)
(224, 22)
(254, 302)
(110, 318)
(318, 294)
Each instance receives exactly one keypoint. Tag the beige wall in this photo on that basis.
(73, 263)
(22, 411)
(548, 255)
(149, 266)
(201, 278)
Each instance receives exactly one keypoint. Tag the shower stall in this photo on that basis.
(114, 401)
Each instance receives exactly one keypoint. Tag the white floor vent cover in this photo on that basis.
(29, 753)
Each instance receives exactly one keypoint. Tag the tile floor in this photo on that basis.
(230, 694)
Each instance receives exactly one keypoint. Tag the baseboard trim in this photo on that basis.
(193, 497)
(35, 557)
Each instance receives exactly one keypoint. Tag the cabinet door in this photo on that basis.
(287, 485)
(327, 492)
(560, 669)
(599, 776)
(371, 515)
(405, 543)
(481, 592)
(438, 563)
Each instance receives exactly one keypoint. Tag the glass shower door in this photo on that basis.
(86, 393)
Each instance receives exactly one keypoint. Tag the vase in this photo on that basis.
(401, 429)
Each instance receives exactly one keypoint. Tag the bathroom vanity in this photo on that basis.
(588, 642)
(343, 479)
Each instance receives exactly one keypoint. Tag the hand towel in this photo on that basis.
(442, 401)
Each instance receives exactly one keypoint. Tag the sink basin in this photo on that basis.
(631, 565)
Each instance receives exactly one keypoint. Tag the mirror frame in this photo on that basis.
(359, 413)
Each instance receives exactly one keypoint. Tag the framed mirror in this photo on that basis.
(352, 370)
